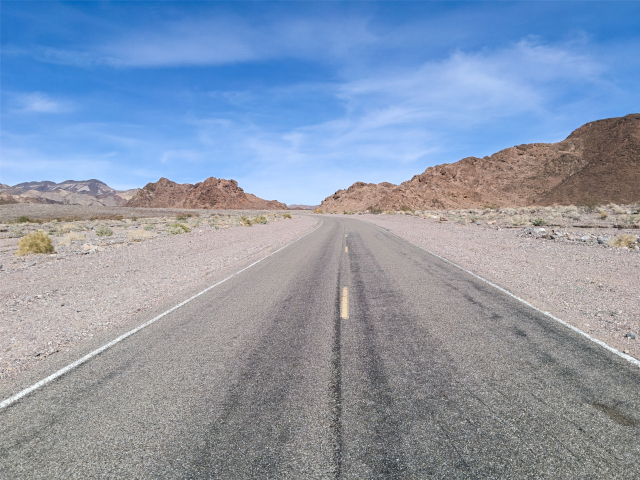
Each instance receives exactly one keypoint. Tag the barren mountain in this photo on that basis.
(213, 193)
(598, 162)
(70, 192)
(358, 196)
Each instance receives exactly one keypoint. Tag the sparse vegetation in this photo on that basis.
(149, 226)
(626, 240)
(603, 215)
(519, 220)
(35, 243)
(104, 231)
(261, 219)
(374, 210)
(592, 204)
(138, 235)
(245, 221)
(538, 221)
(72, 237)
(617, 209)
(24, 219)
(287, 215)
(177, 228)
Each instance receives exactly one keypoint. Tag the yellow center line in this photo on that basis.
(346, 249)
(344, 304)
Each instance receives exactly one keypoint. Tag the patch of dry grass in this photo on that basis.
(72, 237)
(138, 235)
(625, 240)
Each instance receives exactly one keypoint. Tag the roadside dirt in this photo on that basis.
(593, 286)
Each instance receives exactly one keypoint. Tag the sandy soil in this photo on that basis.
(49, 303)
(592, 286)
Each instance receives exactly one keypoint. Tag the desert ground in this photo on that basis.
(113, 265)
(93, 282)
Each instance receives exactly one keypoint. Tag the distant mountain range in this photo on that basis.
(70, 192)
(213, 193)
(598, 163)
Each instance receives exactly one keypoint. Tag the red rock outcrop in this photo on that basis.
(213, 193)
(162, 194)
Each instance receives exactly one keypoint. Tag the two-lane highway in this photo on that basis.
(349, 354)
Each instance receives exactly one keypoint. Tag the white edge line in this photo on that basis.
(87, 357)
(628, 358)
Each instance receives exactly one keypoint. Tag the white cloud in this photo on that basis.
(38, 102)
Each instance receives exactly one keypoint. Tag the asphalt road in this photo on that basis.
(434, 374)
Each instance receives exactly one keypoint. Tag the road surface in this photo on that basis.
(350, 354)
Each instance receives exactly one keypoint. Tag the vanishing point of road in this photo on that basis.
(349, 354)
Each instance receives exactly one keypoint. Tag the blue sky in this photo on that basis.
(295, 100)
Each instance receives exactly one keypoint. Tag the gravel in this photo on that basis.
(592, 286)
(49, 303)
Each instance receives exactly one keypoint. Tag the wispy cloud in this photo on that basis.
(219, 41)
(38, 102)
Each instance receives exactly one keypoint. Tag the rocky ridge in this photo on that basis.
(213, 193)
(598, 163)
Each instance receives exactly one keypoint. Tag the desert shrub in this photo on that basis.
(603, 215)
(104, 231)
(592, 204)
(404, 208)
(182, 218)
(73, 237)
(149, 226)
(69, 227)
(261, 219)
(632, 219)
(287, 215)
(473, 218)
(625, 240)
(539, 221)
(519, 220)
(177, 228)
(245, 221)
(35, 242)
(213, 222)
(374, 210)
(617, 209)
(138, 235)
(25, 219)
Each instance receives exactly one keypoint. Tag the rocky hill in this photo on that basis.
(70, 192)
(598, 163)
(213, 193)
(357, 197)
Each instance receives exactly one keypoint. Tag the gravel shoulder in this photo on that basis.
(51, 304)
(594, 287)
